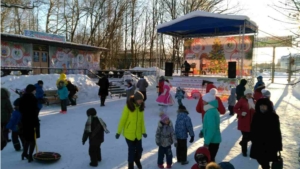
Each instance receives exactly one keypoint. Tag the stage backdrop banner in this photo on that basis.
(73, 59)
(16, 54)
(212, 54)
(195, 85)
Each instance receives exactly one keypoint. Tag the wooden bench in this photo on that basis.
(52, 97)
(116, 90)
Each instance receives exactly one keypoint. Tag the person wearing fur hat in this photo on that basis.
(6, 110)
(94, 131)
(132, 126)
(213, 165)
(179, 95)
(63, 96)
(165, 99)
(202, 158)
(15, 126)
(183, 127)
(265, 134)
(28, 107)
(211, 125)
(245, 108)
(164, 138)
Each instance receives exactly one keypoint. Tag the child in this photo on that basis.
(231, 101)
(202, 158)
(213, 165)
(130, 90)
(94, 130)
(226, 165)
(182, 128)
(15, 126)
(179, 95)
(63, 96)
(165, 137)
(165, 99)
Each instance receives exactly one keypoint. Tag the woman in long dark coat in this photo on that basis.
(103, 91)
(265, 134)
(29, 110)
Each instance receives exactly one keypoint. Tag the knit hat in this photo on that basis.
(208, 97)
(248, 91)
(213, 91)
(178, 88)
(163, 117)
(30, 88)
(138, 96)
(40, 82)
(226, 165)
(91, 112)
(17, 102)
(266, 93)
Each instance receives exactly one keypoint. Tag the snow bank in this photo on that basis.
(296, 89)
(88, 90)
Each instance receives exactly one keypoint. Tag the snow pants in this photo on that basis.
(162, 151)
(181, 150)
(95, 153)
(63, 105)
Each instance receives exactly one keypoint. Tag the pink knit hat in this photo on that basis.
(163, 117)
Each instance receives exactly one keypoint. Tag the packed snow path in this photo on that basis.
(62, 133)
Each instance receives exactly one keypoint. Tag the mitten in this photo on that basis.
(145, 135)
(192, 139)
(83, 143)
(117, 136)
(244, 113)
(201, 134)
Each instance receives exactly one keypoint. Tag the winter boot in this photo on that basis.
(25, 150)
(244, 148)
(93, 164)
(169, 166)
(31, 149)
(160, 166)
(130, 165)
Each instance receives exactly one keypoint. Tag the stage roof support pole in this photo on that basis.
(240, 53)
(243, 49)
(273, 64)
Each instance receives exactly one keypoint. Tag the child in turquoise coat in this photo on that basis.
(211, 125)
(63, 96)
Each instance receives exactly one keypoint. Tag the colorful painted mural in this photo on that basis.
(73, 59)
(212, 54)
(16, 54)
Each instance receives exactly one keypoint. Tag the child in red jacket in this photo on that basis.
(202, 158)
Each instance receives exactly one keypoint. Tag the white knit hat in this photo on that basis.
(248, 91)
(208, 97)
(213, 91)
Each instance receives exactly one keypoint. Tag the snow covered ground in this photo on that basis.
(62, 133)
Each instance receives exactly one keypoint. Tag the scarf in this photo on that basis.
(207, 107)
(251, 104)
(88, 124)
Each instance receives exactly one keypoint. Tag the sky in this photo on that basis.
(259, 11)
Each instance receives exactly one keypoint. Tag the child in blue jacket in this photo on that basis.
(63, 96)
(183, 126)
(39, 94)
(15, 126)
(179, 95)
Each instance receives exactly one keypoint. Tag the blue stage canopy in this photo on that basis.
(205, 24)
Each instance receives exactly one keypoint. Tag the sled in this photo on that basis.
(45, 157)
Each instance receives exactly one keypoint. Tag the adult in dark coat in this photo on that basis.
(240, 89)
(29, 110)
(103, 91)
(72, 91)
(265, 134)
(187, 68)
(6, 110)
